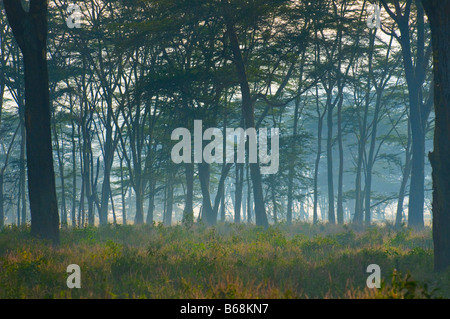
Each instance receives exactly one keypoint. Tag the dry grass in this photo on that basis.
(227, 261)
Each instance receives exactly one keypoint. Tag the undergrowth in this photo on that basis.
(226, 261)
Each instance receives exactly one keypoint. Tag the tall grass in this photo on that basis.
(226, 261)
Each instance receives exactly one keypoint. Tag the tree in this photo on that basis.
(419, 111)
(438, 13)
(30, 31)
(249, 120)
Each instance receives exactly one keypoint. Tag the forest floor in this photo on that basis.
(226, 261)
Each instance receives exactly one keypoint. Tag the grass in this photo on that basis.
(226, 261)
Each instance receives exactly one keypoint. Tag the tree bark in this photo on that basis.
(74, 167)
(238, 192)
(317, 161)
(415, 74)
(249, 120)
(406, 173)
(439, 16)
(30, 31)
(2, 212)
(207, 210)
(22, 160)
(188, 213)
(169, 200)
(331, 216)
(340, 195)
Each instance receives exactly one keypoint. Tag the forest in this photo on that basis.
(225, 148)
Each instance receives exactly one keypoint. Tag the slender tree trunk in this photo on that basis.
(274, 201)
(294, 141)
(130, 199)
(74, 168)
(359, 194)
(363, 137)
(406, 173)
(249, 196)
(169, 202)
(81, 206)
(2, 92)
(113, 208)
(371, 159)
(22, 182)
(204, 175)
(290, 197)
(123, 193)
(317, 161)
(151, 202)
(188, 213)
(340, 195)
(331, 216)
(139, 192)
(108, 159)
(238, 192)
(220, 190)
(61, 178)
(30, 31)
(222, 206)
(2, 212)
(358, 217)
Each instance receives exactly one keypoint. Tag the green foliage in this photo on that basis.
(226, 261)
(405, 287)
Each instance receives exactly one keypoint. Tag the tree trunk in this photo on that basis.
(61, 178)
(317, 161)
(139, 191)
(220, 189)
(417, 185)
(274, 201)
(169, 202)
(74, 168)
(22, 181)
(359, 196)
(331, 216)
(249, 120)
(2, 91)
(188, 213)
(439, 15)
(2, 213)
(238, 192)
(222, 206)
(415, 74)
(30, 31)
(207, 210)
(406, 174)
(340, 195)
(107, 163)
(122, 193)
(292, 154)
(151, 202)
(249, 196)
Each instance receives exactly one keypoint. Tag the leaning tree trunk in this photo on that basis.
(439, 15)
(30, 31)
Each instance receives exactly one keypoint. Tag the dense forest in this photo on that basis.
(177, 114)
